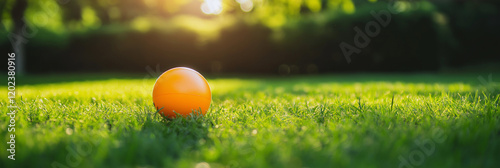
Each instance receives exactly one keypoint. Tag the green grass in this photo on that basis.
(359, 120)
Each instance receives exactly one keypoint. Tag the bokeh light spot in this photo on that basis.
(245, 5)
(213, 7)
(348, 7)
(202, 165)
(141, 24)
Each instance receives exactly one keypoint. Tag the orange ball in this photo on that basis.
(181, 90)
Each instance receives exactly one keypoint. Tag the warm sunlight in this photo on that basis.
(212, 7)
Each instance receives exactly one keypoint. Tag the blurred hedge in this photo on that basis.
(425, 37)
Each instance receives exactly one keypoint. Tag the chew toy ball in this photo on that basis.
(181, 90)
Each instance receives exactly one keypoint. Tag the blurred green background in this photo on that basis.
(248, 36)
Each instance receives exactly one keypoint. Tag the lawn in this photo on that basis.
(351, 120)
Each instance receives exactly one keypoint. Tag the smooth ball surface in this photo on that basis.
(182, 90)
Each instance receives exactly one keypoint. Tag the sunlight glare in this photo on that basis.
(212, 7)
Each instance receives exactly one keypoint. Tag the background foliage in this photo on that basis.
(255, 36)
